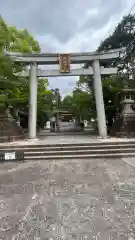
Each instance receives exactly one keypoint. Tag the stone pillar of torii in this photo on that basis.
(95, 58)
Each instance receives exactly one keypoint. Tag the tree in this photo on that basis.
(14, 91)
(123, 36)
(66, 103)
(15, 40)
(44, 102)
(111, 87)
(82, 104)
(79, 104)
(22, 41)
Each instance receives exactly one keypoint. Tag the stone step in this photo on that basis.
(80, 152)
(67, 145)
(35, 148)
(77, 156)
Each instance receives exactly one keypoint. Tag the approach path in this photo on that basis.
(67, 200)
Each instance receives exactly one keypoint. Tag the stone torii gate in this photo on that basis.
(97, 60)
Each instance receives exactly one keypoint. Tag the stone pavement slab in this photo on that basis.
(91, 199)
(65, 139)
(54, 140)
(130, 161)
(114, 139)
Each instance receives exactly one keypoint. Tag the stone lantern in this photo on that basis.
(124, 126)
(128, 103)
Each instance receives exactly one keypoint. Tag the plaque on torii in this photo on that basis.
(64, 62)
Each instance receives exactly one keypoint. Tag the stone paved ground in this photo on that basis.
(57, 139)
(93, 199)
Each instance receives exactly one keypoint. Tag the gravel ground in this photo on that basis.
(76, 199)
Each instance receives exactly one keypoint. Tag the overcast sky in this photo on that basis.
(66, 25)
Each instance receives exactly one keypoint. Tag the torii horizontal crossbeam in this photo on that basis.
(76, 58)
(74, 72)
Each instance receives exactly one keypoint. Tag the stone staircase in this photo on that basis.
(71, 151)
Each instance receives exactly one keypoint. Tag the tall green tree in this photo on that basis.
(111, 88)
(66, 103)
(14, 91)
(123, 36)
(79, 104)
(15, 40)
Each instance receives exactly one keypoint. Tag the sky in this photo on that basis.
(66, 25)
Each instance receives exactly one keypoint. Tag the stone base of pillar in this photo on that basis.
(124, 126)
(32, 139)
(103, 137)
(9, 128)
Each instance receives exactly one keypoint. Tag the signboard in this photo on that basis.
(64, 61)
(11, 156)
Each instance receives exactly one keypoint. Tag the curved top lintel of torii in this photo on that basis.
(76, 58)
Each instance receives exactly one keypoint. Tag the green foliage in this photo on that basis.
(14, 91)
(15, 40)
(111, 88)
(66, 103)
(78, 104)
(123, 35)
(44, 97)
(81, 104)
(22, 41)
